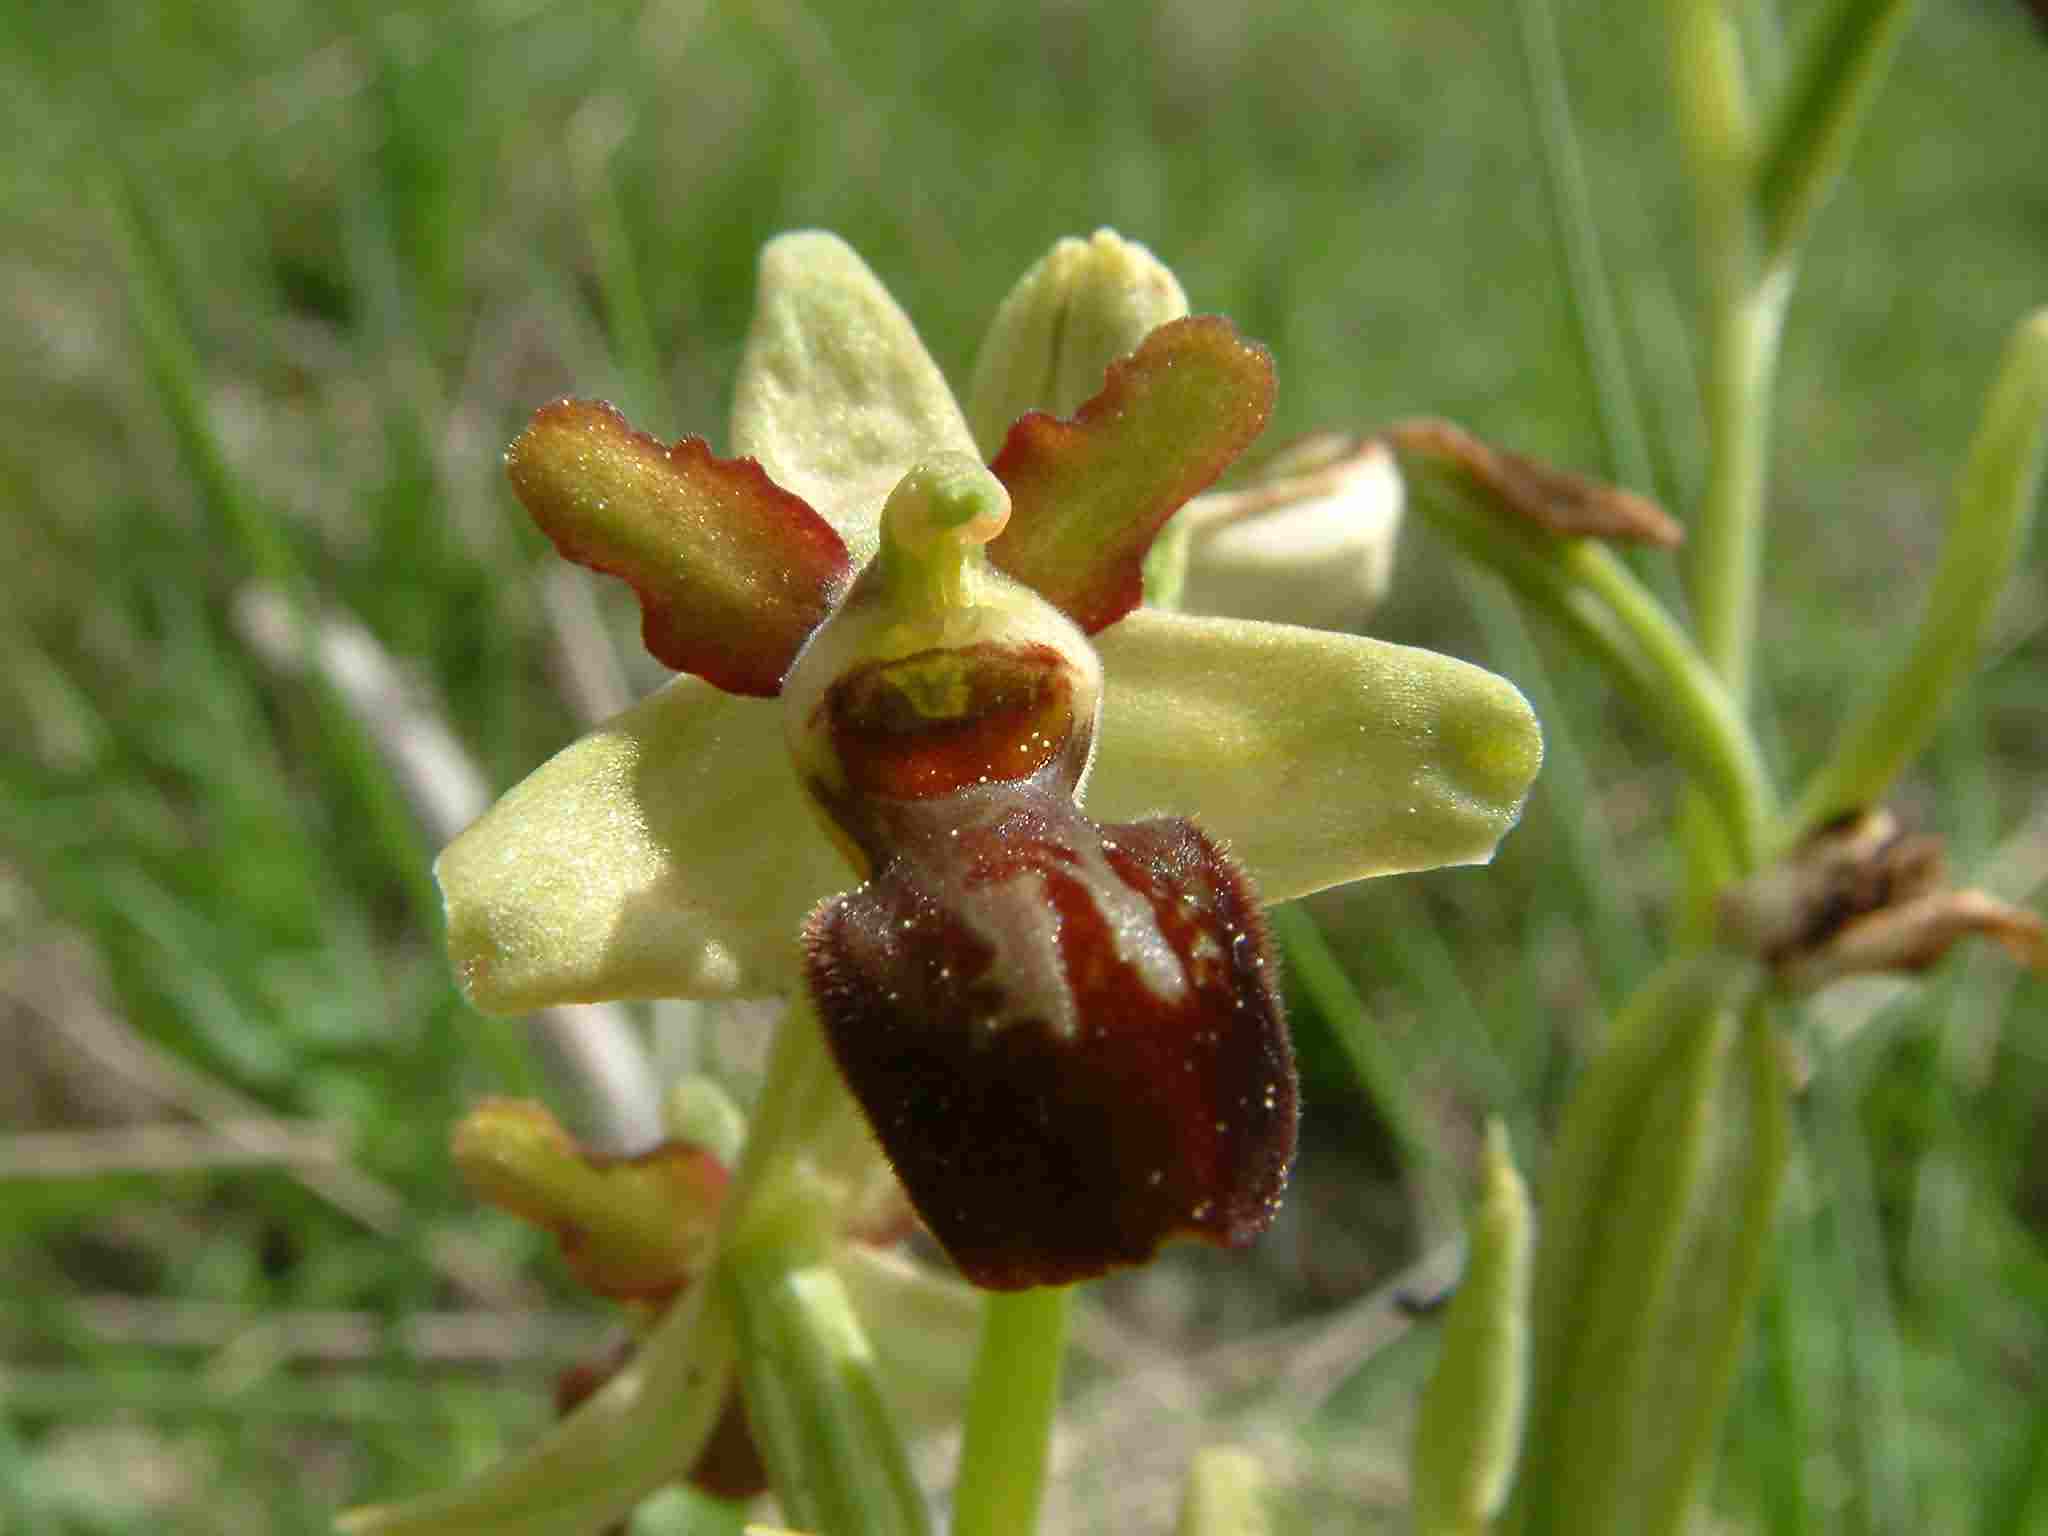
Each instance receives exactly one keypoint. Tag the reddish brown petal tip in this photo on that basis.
(732, 572)
(1088, 495)
(1068, 1038)
(1560, 502)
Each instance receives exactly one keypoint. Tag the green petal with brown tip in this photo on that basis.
(1088, 494)
(733, 572)
(1314, 758)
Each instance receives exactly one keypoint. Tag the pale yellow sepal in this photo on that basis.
(670, 853)
(1316, 758)
(1084, 305)
(837, 397)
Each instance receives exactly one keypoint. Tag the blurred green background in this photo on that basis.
(280, 281)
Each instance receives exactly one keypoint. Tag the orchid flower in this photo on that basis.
(934, 765)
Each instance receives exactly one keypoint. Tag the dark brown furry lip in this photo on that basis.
(1057, 1098)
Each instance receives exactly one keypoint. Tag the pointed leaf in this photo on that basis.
(1989, 520)
(1842, 62)
(669, 853)
(732, 571)
(635, 1433)
(1315, 758)
(1657, 1216)
(1088, 494)
(837, 397)
(1469, 1424)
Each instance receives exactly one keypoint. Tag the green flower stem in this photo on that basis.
(1718, 128)
(1726, 535)
(1726, 532)
(791, 1176)
(813, 1396)
(1699, 713)
(1010, 1407)
(814, 1401)
(1994, 503)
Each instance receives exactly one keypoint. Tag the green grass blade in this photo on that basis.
(1578, 236)
(1839, 70)
(1880, 1451)
(1994, 506)
(263, 544)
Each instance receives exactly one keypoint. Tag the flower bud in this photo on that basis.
(1085, 304)
(1308, 540)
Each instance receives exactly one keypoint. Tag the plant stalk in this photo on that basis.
(1010, 1407)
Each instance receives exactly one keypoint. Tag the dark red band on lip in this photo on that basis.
(1068, 1038)
(941, 720)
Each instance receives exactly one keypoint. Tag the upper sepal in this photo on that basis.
(1082, 306)
(1089, 494)
(733, 572)
(1067, 1037)
(837, 397)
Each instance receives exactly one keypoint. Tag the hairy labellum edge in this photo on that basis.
(1067, 1037)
